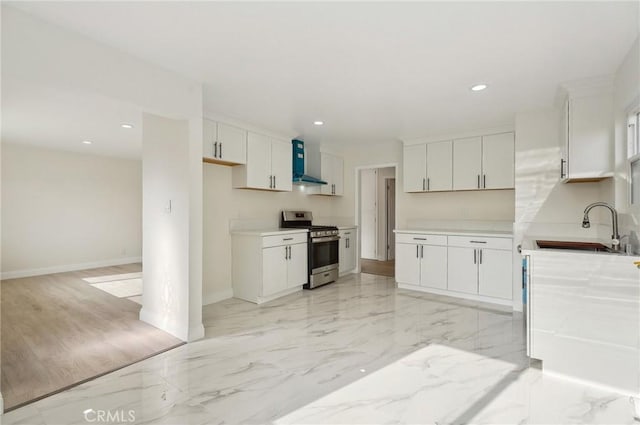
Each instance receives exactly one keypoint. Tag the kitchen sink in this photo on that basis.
(574, 246)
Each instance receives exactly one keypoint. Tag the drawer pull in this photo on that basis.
(287, 239)
(478, 241)
(419, 239)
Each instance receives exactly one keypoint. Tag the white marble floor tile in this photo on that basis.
(356, 351)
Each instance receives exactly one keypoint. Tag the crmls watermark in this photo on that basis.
(106, 416)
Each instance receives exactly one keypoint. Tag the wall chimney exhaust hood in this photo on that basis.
(299, 177)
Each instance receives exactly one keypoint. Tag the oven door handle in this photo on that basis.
(325, 239)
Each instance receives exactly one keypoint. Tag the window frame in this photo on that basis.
(633, 151)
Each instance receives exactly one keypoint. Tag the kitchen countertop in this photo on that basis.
(268, 232)
(347, 227)
(457, 232)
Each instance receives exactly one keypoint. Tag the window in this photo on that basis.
(633, 155)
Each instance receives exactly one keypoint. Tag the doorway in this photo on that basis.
(377, 206)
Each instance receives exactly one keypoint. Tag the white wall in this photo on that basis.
(68, 211)
(225, 207)
(168, 275)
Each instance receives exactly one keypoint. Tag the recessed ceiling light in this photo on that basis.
(125, 125)
(86, 142)
(479, 87)
(318, 122)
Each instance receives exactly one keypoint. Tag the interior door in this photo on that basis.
(498, 161)
(467, 163)
(368, 213)
(391, 218)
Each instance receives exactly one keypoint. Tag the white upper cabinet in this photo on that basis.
(327, 167)
(415, 168)
(332, 171)
(440, 166)
(498, 161)
(467, 163)
(223, 143)
(586, 138)
(281, 168)
(485, 162)
(268, 165)
(428, 167)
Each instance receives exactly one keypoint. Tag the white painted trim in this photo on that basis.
(69, 267)
(155, 320)
(460, 135)
(473, 297)
(357, 201)
(1, 405)
(216, 296)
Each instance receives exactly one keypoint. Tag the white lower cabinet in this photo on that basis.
(347, 251)
(420, 264)
(470, 267)
(268, 266)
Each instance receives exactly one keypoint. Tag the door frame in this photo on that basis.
(388, 230)
(357, 170)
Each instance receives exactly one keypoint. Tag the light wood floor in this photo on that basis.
(382, 268)
(59, 331)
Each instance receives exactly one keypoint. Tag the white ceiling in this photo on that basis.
(372, 72)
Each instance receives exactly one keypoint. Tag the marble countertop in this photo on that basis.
(268, 232)
(347, 227)
(457, 232)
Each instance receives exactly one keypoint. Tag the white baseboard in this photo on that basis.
(157, 321)
(1, 405)
(68, 267)
(214, 297)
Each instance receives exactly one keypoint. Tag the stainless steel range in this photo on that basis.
(323, 245)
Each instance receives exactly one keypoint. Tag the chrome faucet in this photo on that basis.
(615, 238)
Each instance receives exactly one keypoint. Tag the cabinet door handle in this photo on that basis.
(274, 182)
(421, 251)
(270, 182)
(220, 149)
(475, 258)
(480, 256)
(286, 252)
(215, 150)
(424, 184)
(562, 173)
(478, 181)
(428, 184)
(417, 251)
(484, 179)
